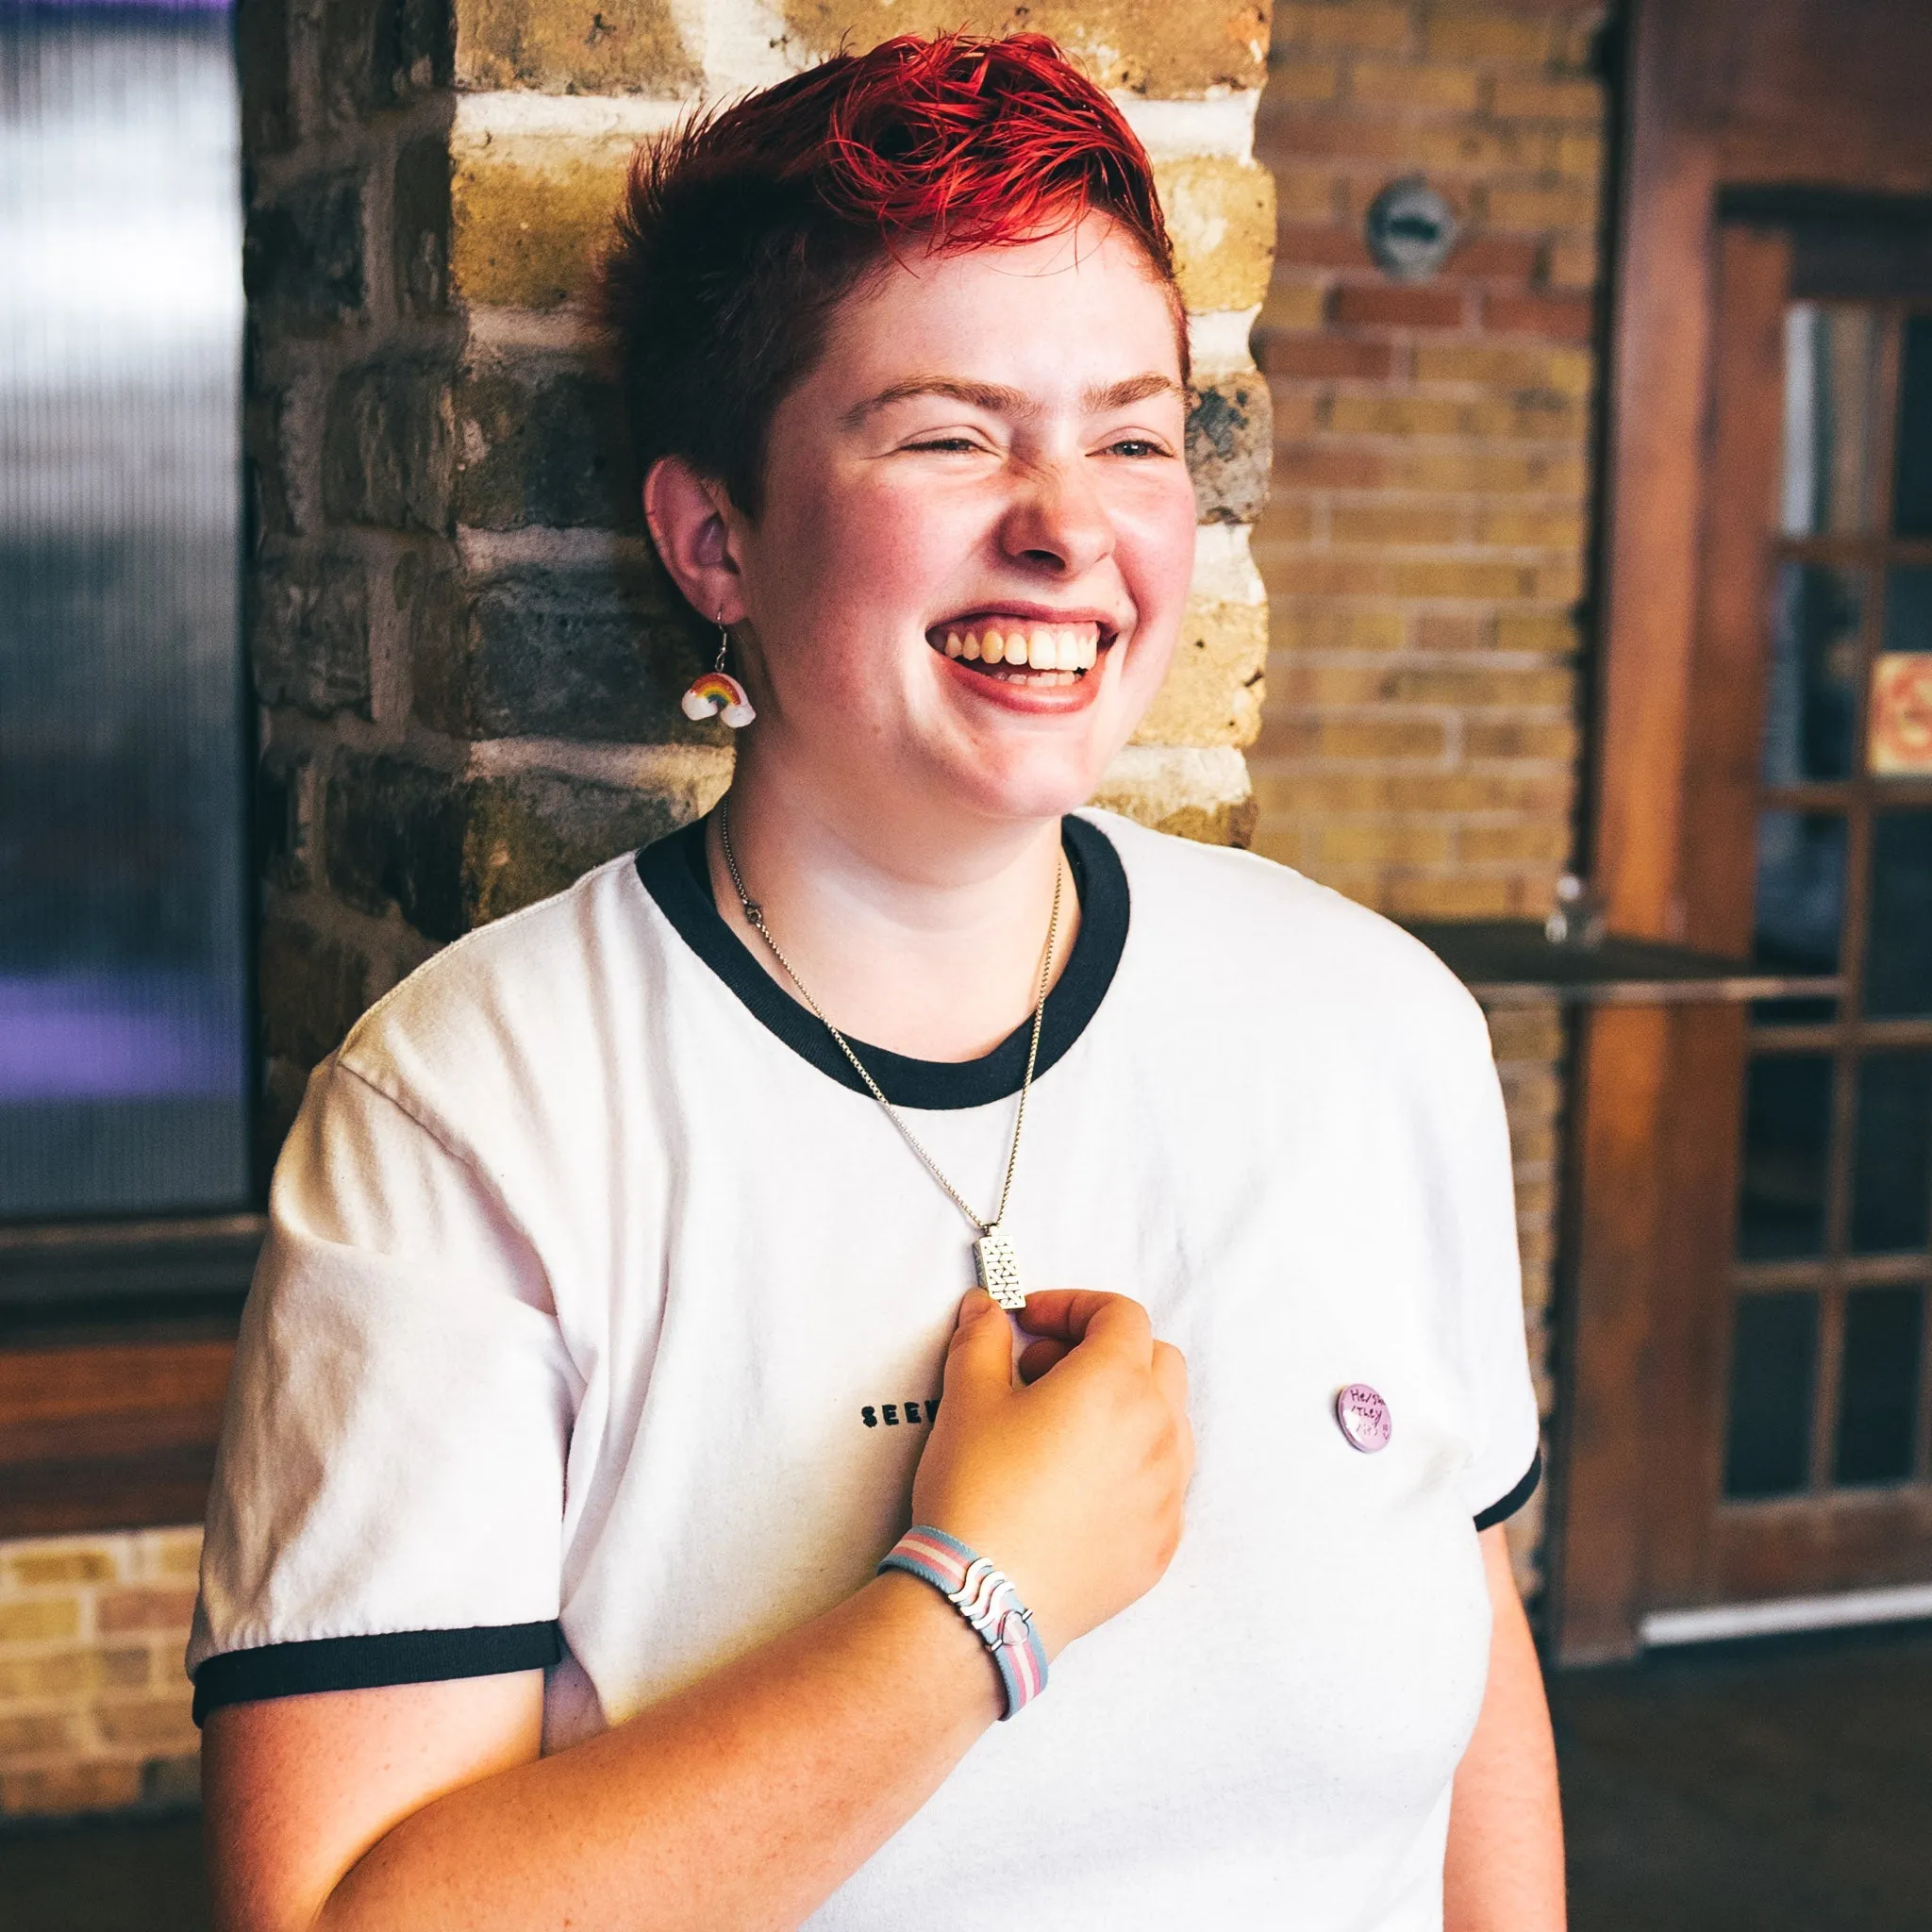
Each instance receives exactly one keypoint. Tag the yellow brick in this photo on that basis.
(1534, 97)
(1366, 842)
(1291, 519)
(1292, 306)
(1314, 680)
(1381, 29)
(1220, 214)
(1484, 35)
(528, 217)
(572, 46)
(1316, 684)
(86, 1787)
(173, 1553)
(1566, 372)
(1297, 411)
(67, 1673)
(39, 1618)
(1520, 738)
(1335, 627)
(1452, 897)
(1532, 529)
(1367, 737)
(1526, 1033)
(1395, 137)
(1213, 691)
(1329, 574)
(1558, 580)
(1535, 414)
(1536, 632)
(1575, 264)
(37, 1568)
(1422, 791)
(1463, 577)
(1581, 154)
(1306, 195)
(1428, 684)
(1302, 81)
(1398, 415)
(1395, 523)
(1547, 843)
(1147, 46)
(35, 1734)
(1566, 205)
(154, 1723)
(1487, 471)
(1405, 84)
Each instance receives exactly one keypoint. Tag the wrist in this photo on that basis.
(923, 1626)
(987, 1602)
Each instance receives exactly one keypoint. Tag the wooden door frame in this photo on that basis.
(1805, 95)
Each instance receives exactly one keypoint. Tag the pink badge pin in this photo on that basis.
(1364, 1418)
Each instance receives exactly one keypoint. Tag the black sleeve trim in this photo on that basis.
(366, 1663)
(1506, 1507)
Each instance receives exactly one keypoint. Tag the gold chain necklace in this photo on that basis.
(995, 1262)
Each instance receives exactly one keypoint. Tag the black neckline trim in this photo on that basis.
(367, 1663)
(674, 873)
(1506, 1507)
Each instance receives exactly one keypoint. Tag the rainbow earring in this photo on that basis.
(716, 691)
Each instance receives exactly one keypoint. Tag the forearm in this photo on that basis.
(1505, 1867)
(742, 1801)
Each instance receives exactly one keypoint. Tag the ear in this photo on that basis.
(693, 525)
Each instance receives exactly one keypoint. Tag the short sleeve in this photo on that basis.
(1478, 1223)
(388, 1499)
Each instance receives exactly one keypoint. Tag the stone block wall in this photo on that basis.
(468, 659)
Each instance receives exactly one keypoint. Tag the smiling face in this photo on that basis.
(968, 576)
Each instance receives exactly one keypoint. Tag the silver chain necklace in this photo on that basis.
(995, 1262)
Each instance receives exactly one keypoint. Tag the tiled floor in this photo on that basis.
(1761, 1788)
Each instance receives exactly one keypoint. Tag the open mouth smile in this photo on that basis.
(1023, 650)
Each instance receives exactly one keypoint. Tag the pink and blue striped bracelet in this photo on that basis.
(986, 1598)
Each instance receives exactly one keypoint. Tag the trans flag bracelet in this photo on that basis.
(986, 1598)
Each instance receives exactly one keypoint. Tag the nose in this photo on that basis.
(1056, 521)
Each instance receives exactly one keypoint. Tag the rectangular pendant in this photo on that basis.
(996, 1263)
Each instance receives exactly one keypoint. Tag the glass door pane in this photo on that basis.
(124, 1070)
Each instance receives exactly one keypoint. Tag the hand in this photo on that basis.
(1074, 1483)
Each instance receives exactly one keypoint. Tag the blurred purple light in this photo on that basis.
(99, 1036)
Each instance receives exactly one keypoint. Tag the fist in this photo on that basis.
(1072, 1482)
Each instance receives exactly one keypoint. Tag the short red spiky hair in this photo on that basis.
(741, 231)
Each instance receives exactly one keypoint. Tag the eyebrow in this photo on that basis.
(998, 400)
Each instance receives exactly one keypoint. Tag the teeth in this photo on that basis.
(1054, 652)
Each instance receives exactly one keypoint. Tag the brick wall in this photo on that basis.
(93, 1704)
(1424, 547)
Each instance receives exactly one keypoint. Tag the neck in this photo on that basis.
(930, 946)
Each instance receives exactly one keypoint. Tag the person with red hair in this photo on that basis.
(622, 1519)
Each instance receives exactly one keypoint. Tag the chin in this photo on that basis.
(1033, 782)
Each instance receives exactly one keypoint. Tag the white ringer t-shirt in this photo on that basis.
(602, 1314)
